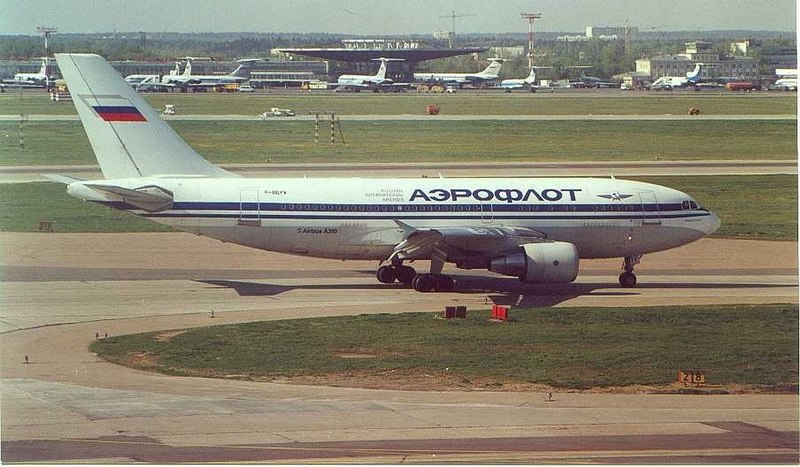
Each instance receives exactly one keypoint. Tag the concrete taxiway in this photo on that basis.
(60, 291)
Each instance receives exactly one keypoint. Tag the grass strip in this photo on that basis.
(286, 141)
(560, 347)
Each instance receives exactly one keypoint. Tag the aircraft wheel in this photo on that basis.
(386, 274)
(424, 283)
(406, 274)
(627, 279)
(444, 283)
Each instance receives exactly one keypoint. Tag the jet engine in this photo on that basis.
(548, 263)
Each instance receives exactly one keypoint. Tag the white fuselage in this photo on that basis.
(460, 78)
(362, 80)
(357, 218)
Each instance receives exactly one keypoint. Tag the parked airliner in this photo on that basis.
(490, 73)
(239, 75)
(374, 82)
(39, 79)
(536, 229)
(519, 83)
(671, 82)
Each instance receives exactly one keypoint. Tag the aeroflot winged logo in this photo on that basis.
(615, 196)
(114, 108)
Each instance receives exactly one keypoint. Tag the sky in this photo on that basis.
(387, 17)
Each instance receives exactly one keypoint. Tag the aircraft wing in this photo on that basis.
(462, 241)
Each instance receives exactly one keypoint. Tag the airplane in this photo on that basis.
(185, 79)
(671, 82)
(490, 73)
(146, 82)
(375, 82)
(527, 82)
(591, 81)
(535, 229)
(39, 79)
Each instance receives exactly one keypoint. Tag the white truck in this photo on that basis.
(277, 112)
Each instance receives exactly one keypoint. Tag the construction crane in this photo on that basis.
(453, 16)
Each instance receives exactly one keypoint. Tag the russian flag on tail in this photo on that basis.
(119, 113)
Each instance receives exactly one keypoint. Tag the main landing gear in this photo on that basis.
(407, 275)
(628, 278)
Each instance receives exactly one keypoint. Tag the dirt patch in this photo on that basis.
(167, 336)
(417, 380)
(140, 360)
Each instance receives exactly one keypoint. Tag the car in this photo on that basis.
(660, 87)
(246, 88)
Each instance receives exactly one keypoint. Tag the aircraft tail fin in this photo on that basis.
(694, 75)
(531, 76)
(382, 70)
(127, 136)
(241, 71)
(494, 68)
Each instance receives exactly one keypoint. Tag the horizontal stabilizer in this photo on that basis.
(65, 179)
(149, 198)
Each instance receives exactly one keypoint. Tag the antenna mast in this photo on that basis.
(531, 17)
(453, 16)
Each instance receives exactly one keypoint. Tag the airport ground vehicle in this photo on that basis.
(277, 112)
(741, 86)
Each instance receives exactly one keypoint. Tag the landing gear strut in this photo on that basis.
(628, 278)
(433, 282)
(426, 282)
(388, 274)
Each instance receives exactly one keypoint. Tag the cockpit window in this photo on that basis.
(685, 205)
(693, 205)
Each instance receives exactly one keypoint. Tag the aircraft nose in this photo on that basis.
(711, 224)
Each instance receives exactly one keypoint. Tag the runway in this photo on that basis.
(62, 290)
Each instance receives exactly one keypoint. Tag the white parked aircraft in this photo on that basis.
(527, 82)
(239, 75)
(368, 81)
(536, 229)
(39, 79)
(672, 82)
(490, 73)
(144, 82)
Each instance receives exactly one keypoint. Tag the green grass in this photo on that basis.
(752, 207)
(562, 347)
(472, 103)
(762, 207)
(25, 204)
(284, 141)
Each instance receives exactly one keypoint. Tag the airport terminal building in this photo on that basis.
(717, 65)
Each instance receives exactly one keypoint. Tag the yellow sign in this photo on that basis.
(687, 377)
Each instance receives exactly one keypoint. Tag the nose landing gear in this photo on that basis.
(628, 278)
